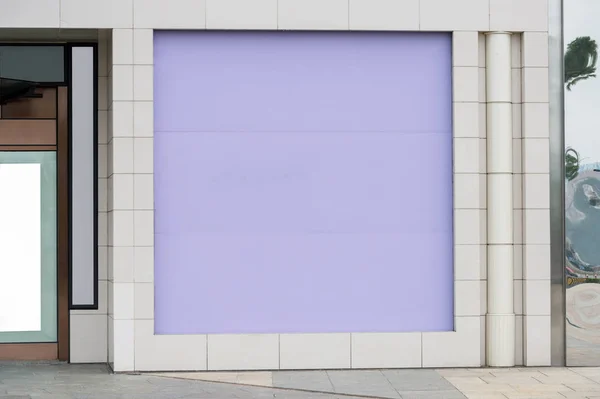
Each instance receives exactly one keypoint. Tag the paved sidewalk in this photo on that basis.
(61, 381)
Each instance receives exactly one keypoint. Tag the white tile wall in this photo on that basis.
(243, 352)
(391, 350)
(314, 351)
(241, 14)
(179, 14)
(30, 13)
(132, 343)
(96, 13)
(89, 337)
(384, 15)
(313, 14)
(453, 16)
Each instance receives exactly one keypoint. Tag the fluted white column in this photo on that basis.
(500, 340)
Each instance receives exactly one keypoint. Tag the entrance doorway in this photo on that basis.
(34, 221)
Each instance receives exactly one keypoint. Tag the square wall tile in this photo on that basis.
(313, 14)
(519, 341)
(536, 226)
(536, 191)
(122, 46)
(102, 263)
(121, 189)
(518, 15)
(143, 82)
(517, 191)
(465, 49)
(466, 84)
(467, 155)
(144, 264)
(443, 15)
(391, 350)
(469, 227)
(515, 45)
(537, 341)
(243, 352)
(518, 297)
(467, 298)
(535, 85)
(179, 14)
(536, 120)
(122, 119)
(143, 228)
(469, 262)
(469, 191)
(315, 351)
(517, 120)
(536, 262)
(241, 14)
(167, 352)
(122, 264)
(143, 46)
(122, 155)
(102, 229)
(88, 338)
(30, 13)
(461, 348)
(144, 155)
(536, 297)
(516, 89)
(122, 83)
(124, 344)
(103, 127)
(536, 156)
(102, 197)
(122, 228)
(384, 15)
(144, 301)
(123, 301)
(518, 261)
(143, 119)
(96, 14)
(535, 49)
(143, 191)
(466, 119)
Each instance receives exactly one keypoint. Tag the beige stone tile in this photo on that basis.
(584, 387)
(484, 395)
(215, 377)
(539, 388)
(485, 388)
(463, 372)
(512, 379)
(466, 380)
(263, 378)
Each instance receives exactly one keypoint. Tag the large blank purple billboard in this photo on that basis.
(303, 182)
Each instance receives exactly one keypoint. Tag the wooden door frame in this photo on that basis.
(57, 350)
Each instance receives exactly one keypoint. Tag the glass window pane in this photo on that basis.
(33, 63)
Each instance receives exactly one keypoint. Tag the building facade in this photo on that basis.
(243, 183)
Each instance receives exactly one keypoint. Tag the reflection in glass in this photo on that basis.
(582, 183)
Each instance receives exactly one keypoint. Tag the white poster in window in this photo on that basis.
(20, 248)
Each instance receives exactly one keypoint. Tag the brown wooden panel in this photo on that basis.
(27, 132)
(27, 148)
(28, 352)
(32, 108)
(63, 224)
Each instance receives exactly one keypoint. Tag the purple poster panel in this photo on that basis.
(303, 182)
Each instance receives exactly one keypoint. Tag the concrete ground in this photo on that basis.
(54, 381)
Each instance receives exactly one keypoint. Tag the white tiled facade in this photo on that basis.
(122, 329)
